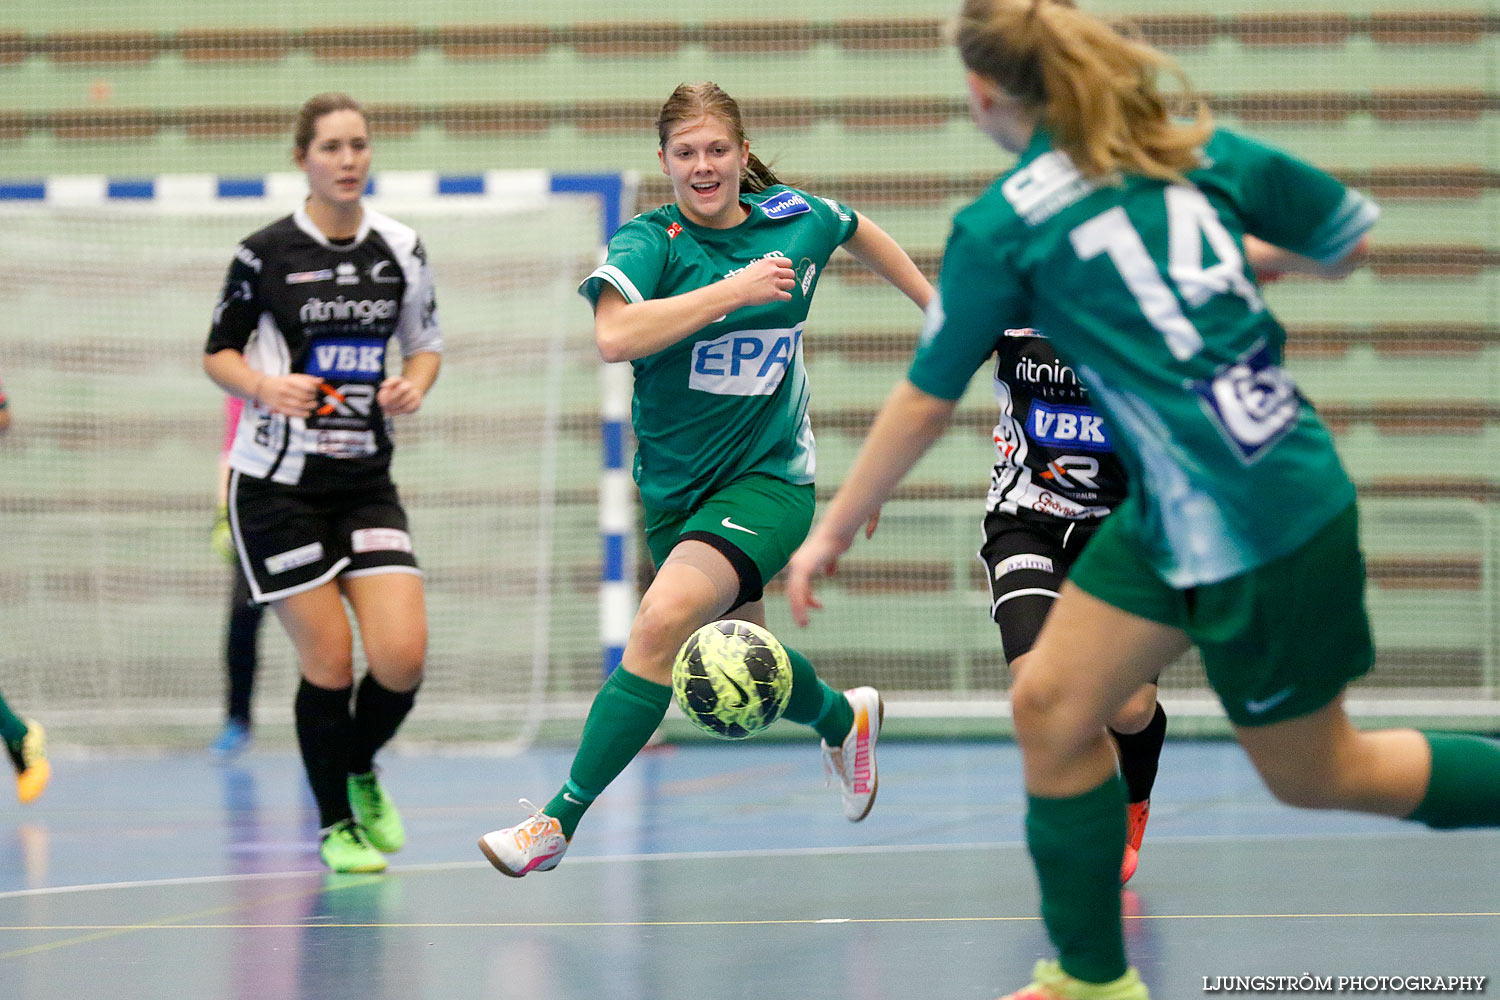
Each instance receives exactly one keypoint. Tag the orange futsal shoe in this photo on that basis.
(1136, 814)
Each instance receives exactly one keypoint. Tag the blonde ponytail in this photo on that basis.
(1094, 88)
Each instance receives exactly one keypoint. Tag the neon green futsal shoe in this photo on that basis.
(376, 813)
(345, 848)
(1052, 983)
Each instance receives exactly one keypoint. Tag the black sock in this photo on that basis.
(324, 732)
(378, 713)
(240, 657)
(1140, 753)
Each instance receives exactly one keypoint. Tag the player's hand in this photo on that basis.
(219, 538)
(397, 396)
(769, 279)
(816, 558)
(292, 395)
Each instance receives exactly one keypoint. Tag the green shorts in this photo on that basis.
(1278, 642)
(756, 522)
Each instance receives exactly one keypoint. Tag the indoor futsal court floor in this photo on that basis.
(705, 873)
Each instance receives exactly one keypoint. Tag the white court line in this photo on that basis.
(1398, 832)
(438, 866)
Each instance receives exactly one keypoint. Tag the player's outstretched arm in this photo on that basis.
(625, 331)
(877, 250)
(909, 423)
(1269, 261)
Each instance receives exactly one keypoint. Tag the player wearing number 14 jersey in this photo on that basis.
(1132, 238)
(1215, 431)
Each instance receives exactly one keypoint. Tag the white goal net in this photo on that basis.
(112, 605)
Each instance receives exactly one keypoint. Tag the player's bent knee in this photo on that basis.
(401, 680)
(399, 672)
(332, 676)
(1137, 713)
(1302, 794)
(1301, 784)
(1044, 717)
(329, 654)
(664, 621)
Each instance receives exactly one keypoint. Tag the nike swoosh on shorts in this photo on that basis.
(1266, 704)
(737, 527)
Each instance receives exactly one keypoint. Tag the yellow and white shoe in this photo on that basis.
(32, 769)
(1052, 983)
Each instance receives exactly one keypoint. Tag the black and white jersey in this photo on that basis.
(1054, 454)
(296, 302)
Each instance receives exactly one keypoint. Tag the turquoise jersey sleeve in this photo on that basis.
(1290, 203)
(780, 201)
(634, 265)
(979, 297)
(841, 216)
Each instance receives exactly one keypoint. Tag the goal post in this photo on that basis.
(113, 604)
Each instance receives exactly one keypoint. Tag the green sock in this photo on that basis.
(814, 703)
(1077, 845)
(12, 729)
(625, 713)
(1464, 789)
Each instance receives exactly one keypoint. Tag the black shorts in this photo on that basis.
(1026, 562)
(290, 540)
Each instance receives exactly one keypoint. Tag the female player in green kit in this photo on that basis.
(707, 298)
(24, 739)
(1123, 235)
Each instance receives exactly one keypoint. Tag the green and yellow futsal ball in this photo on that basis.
(732, 679)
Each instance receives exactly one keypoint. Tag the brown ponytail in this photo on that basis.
(1094, 88)
(692, 101)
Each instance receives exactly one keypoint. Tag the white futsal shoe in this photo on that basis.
(854, 761)
(536, 845)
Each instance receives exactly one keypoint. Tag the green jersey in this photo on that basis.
(729, 399)
(1144, 289)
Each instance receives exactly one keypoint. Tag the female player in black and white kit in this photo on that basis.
(301, 332)
(1056, 477)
